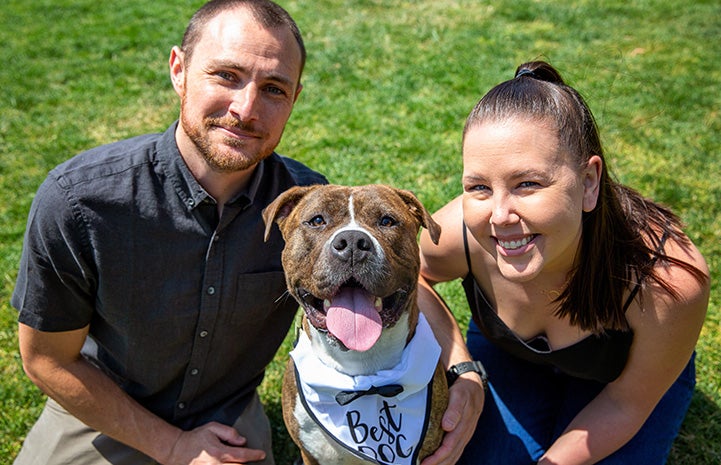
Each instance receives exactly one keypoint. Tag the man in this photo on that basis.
(149, 303)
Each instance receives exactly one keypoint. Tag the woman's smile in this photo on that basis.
(515, 246)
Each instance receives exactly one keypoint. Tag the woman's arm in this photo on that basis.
(665, 334)
(466, 395)
(445, 261)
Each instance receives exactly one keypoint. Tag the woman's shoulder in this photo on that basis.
(445, 261)
(691, 282)
(682, 266)
(685, 271)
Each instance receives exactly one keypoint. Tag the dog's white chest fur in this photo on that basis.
(388, 427)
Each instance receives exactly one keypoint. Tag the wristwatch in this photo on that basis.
(464, 367)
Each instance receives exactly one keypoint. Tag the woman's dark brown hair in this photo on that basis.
(623, 236)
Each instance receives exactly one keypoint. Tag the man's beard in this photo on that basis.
(221, 158)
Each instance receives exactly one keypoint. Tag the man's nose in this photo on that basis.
(245, 101)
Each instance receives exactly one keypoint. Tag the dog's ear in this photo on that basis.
(280, 208)
(420, 212)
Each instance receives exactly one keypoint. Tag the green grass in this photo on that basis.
(388, 85)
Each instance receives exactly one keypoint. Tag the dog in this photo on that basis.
(364, 383)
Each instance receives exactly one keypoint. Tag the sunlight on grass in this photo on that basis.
(387, 87)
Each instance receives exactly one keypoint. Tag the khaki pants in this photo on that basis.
(58, 438)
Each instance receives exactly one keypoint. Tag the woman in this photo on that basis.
(587, 299)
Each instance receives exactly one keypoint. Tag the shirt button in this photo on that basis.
(194, 372)
(203, 333)
(190, 202)
(181, 405)
(211, 290)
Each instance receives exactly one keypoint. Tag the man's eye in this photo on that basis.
(275, 90)
(225, 75)
(316, 221)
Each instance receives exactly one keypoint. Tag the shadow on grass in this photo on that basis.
(284, 449)
(697, 444)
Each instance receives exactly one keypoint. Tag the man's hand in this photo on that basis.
(465, 403)
(212, 444)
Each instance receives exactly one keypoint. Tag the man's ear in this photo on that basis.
(176, 63)
(592, 182)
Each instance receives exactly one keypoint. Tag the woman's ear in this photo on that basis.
(592, 182)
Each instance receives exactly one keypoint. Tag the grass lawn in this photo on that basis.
(388, 85)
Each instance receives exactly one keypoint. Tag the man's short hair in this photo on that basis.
(269, 14)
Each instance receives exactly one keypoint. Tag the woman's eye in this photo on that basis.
(316, 221)
(387, 221)
(529, 184)
(477, 188)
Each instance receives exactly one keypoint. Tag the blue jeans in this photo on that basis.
(528, 406)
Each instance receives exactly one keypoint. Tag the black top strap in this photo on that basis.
(637, 287)
(465, 248)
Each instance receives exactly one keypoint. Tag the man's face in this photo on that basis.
(237, 91)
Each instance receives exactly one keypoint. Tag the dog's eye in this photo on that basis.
(387, 221)
(316, 221)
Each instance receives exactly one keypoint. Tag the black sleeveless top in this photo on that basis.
(597, 357)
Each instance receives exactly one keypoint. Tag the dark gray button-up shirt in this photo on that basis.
(185, 309)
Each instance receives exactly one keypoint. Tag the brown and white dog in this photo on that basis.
(351, 261)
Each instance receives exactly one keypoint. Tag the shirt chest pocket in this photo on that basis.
(258, 296)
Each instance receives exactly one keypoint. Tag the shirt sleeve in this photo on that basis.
(56, 281)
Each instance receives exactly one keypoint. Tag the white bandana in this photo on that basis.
(383, 430)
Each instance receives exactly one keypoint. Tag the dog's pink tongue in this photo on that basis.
(352, 318)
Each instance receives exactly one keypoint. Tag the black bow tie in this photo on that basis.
(346, 397)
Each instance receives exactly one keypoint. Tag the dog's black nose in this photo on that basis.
(352, 245)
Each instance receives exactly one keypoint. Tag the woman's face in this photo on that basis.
(524, 197)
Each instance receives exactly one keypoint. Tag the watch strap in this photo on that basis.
(464, 367)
